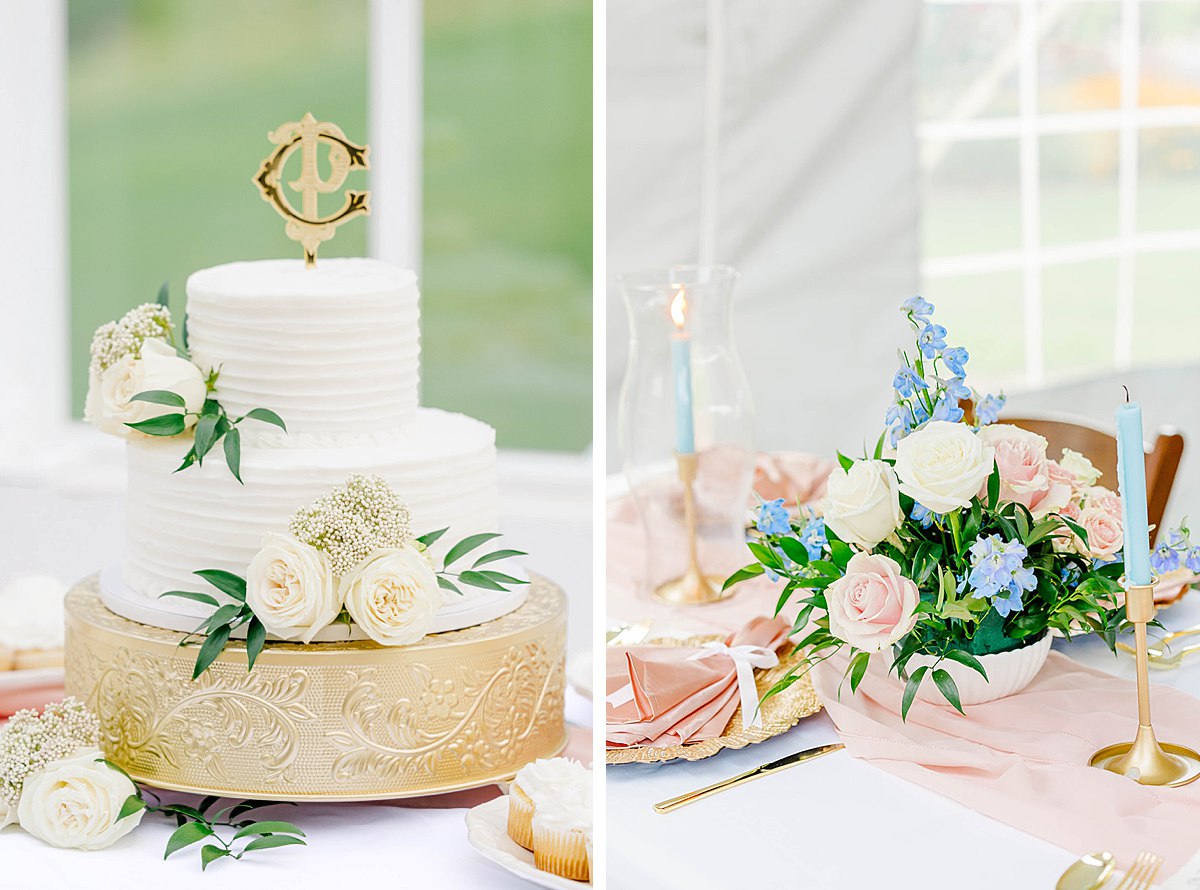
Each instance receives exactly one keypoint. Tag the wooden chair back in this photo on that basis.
(1100, 446)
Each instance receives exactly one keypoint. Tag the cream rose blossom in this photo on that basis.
(75, 803)
(942, 465)
(1105, 533)
(1085, 473)
(873, 605)
(393, 595)
(862, 504)
(158, 367)
(290, 588)
(8, 814)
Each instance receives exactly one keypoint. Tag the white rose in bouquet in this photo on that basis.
(943, 465)
(75, 803)
(158, 367)
(862, 504)
(290, 588)
(1085, 473)
(393, 595)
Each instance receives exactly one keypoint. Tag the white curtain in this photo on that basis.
(817, 198)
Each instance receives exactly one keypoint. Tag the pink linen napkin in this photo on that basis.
(1023, 759)
(673, 697)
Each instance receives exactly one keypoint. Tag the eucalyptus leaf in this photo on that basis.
(750, 571)
(160, 397)
(232, 443)
(993, 487)
(226, 582)
(185, 835)
(858, 669)
(795, 550)
(210, 853)
(501, 578)
(205, 436)
(264, 415)
(268, 827)
(466, 545)
(766, 555)
(966, 658)
(910, 690)
(206, 598)
(446, 584)
(133, 804)
(948, 688)
(845, 462)
(188, 459)
(479, 579)
(429, 538)
(272, 840)
(256, 637)
(211, 649)
(497, 556)
(163, 425)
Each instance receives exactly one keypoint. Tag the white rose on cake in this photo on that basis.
(862, 504)
(290, 588)
(943, 465)
(8, 814)
(75, 803)
(393, 595)
(157, 367)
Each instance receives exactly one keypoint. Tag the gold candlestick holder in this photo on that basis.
(693, 587)
(1145, 759)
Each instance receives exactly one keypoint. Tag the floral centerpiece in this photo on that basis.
(959, 538)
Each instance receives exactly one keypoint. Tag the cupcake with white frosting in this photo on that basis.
(538, 782)
(31, 623)
(562, 833)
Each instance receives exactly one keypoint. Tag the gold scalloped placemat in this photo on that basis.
(780, 713)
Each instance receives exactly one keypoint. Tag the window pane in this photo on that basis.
(508, 217)
(166, 133)
(1167, 317)
(1078, 60)
(1079, 187)
(1170, 33)
(985, 314)
(959, 75)
(1080, 302)
(1168, 179)
(972, 197)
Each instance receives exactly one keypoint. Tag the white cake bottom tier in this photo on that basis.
(443, 467)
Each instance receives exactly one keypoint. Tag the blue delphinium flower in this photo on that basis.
(813, 538)
(956, 359)
(773, 518)
(1164, 559)
(920, 414)
(987, 409)
(947, 409)
(998, 573)
(924, 516)
(1100, 562)
(1192, 560)
(932, 339)
(920, 308)
(956, 388)
(907, 381)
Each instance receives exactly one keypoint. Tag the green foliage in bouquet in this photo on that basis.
(963, 541)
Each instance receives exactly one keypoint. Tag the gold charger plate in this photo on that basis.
(779, 714)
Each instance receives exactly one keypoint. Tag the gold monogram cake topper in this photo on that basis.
(306, 225)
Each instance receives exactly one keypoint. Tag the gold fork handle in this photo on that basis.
(749, 775)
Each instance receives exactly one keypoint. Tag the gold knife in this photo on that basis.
(758, 772)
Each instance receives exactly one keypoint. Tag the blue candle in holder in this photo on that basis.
(681, 362)
(1131, 473)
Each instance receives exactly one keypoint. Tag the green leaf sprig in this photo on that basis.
(224, 620)
(202, 823)
(475, 576)
(213, 425)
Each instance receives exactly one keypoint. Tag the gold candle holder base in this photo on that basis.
(1145, 759)
(693, 587)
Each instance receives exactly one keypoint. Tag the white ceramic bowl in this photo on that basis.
(1008, 673)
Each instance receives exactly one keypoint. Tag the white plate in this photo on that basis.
(579, 673)
(487, 831)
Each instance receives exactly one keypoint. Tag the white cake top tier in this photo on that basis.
(334, 350)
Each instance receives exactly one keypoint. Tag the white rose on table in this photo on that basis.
(290, 588)
(393, 595)
(943, 465)
(873, 605)
(75, 803)
(862, 504)
(159, 367)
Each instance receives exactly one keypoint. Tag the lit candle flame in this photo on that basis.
(679, 307)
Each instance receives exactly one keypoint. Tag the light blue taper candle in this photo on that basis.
(1131, 474)
(681, 363)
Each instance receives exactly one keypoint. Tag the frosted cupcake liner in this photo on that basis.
(520, 817)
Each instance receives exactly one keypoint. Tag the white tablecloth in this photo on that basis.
(835, 823)
(380, 846)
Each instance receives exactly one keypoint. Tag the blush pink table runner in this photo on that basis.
(1023, 759)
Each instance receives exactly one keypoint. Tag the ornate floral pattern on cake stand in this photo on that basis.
(326, 721)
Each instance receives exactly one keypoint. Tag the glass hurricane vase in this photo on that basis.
(686, 430)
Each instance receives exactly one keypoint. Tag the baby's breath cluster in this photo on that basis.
(32, 741)
(353, 520)
(117, 339)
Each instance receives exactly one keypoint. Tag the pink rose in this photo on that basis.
(872, 605)
(1105, 533)
(1027, 476)
(1101, 497)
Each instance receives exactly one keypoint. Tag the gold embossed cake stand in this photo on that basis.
(326, 721)
(779, 714)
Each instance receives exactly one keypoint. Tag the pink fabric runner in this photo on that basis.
(1023, 759)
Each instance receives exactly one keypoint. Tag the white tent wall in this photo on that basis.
(816, 198)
